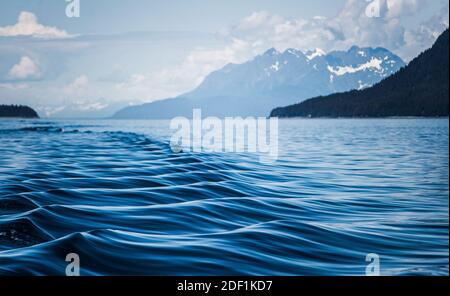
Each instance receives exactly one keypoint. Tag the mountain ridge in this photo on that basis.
(273, 78)
(420, 89)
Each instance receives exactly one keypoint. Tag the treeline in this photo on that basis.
(17, 111)
(419, 89)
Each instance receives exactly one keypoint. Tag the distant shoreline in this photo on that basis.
(389, 117)
(21, 118)
(297, 117)
(17, 111)
(280, 118)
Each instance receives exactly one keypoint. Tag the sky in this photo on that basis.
(119, 53)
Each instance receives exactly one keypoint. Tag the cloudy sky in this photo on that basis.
(119, 53)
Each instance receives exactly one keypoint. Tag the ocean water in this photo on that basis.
(114, 193)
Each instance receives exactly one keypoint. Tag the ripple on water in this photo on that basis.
(129, 206)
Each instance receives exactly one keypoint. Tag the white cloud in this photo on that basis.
(397, 8)
(78, 87)
(144, 80)
(79, 82)
(26, 68)
(135, 81)
(170, 82)
(419, 39)
(48, 111)
(161, 84)
(86, 105)
(258, 19)
(262, 30)
(201, 62)
(28, 25)
(13, 86)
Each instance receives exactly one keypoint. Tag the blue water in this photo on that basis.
(114, 193)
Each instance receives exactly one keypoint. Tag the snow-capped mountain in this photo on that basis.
(276, 79)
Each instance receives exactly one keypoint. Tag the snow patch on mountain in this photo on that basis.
(311, 55)
(374, 63)
(276, 67)
(363, 85)
(294, 52)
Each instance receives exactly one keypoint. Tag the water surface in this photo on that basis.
(114, 192)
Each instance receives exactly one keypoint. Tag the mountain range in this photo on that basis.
(274, 79)
(420, 89)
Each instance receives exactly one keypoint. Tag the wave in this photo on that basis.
(129, 206)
